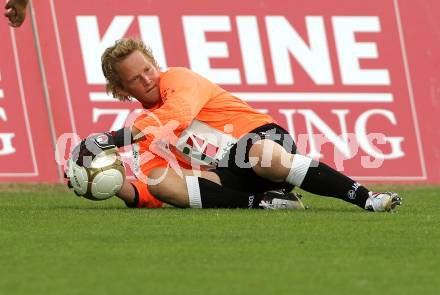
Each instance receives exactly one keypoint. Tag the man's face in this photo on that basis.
(139, 78)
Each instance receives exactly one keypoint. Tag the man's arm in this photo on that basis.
(16, 12)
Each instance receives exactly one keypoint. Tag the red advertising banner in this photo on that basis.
(26, 147)
(356, 83)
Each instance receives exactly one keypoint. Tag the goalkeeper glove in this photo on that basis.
(84, 153)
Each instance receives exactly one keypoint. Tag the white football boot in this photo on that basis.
(382, 202)
(277, 200)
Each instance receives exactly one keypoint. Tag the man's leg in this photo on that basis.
(136, 195)
(171, 189)
(191, 191)
(275, 163)
(127, 192)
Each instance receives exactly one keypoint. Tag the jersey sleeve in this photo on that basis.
(184, 94)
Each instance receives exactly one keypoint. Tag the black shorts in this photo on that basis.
(235, 171)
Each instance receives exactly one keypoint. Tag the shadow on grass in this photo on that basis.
(335, 209)
(313, 210)
(108, 208)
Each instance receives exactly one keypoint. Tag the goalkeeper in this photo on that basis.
(244, 153)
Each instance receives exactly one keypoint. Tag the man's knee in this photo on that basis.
(271, 160)
(168, 187)
(157, 186)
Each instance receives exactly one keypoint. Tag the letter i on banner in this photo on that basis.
(6, 147)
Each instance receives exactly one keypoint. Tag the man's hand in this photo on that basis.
(16, 12)
(84, 153)
(67, 175)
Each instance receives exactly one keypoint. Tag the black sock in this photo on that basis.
(216, 196)
(326, 181)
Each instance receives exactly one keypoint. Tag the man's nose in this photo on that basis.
(146, 79)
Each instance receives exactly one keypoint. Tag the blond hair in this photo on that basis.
(117, 53)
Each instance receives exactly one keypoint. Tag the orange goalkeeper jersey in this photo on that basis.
(197, 119)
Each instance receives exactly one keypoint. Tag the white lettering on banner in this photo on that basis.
(288, 114)
(152, 35)
(287, 97)
(92, 45)
(200, 50)
(6, 138)
(3, 116)
(361, 131)
(101, 97)
(315, 59)
(349, 51)
(251, 51)
(342, 142)
(6, 143)
(120, 116)
(315, 96)
(1, 90)
(339, 158)
(369, 161)
(284, 41)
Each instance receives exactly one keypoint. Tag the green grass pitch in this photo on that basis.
(52, 242)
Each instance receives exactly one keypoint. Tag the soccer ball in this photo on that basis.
(102, 180)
